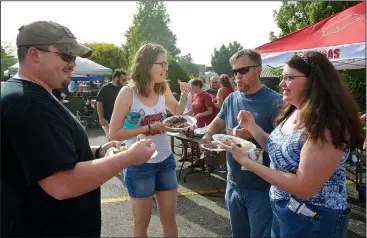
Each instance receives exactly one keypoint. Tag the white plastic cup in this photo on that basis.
(255, 155)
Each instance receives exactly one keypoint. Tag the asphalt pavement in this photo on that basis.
(201, 210)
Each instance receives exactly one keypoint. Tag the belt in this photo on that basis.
(300, 208)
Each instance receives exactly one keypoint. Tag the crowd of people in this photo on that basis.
(51, 176)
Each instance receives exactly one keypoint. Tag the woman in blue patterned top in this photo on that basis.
(316, 128)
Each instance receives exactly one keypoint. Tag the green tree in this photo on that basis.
(175, 72)
(187, 63)
(108, 55)
(295, 15)
(356, 80)
(150, 24)
(7, 58)
(220, 58)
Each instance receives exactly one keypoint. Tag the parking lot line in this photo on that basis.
(180, 194)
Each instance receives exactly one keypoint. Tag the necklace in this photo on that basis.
(295, 120)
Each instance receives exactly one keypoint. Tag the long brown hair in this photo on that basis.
(326, 103)
(225, 81)
(142, 63)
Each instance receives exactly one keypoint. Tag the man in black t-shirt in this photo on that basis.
(50, 176)
(106, 98)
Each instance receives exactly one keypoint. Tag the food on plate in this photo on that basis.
(227, 140)
(213, 146)
(177, 122)
(247, 144)
(122, 148)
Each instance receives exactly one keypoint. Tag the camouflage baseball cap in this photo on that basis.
(50, 33)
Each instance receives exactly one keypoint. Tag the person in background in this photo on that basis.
(214, 86)
(189, 99)
(106, 98)
(50, 175)
(141, 109)
(316, 128)
(202, 106)
(223, 92)
(247, 194)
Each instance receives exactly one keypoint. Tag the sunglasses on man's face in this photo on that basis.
(65, 57)
(243, 70)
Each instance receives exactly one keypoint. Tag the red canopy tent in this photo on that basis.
(342, 37)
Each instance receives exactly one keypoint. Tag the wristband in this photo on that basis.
(97, 152)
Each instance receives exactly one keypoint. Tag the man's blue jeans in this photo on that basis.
(250, 212)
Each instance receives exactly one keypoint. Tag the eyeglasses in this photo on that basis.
(65, 57)
(288, 78)
(164, 64)
(243, 70)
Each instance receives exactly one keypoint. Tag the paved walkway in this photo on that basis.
(201, 210)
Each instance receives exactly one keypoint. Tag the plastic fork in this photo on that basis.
(237, 127)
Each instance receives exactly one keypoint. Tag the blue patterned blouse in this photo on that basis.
(284, 152)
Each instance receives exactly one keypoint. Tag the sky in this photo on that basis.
(200, 26)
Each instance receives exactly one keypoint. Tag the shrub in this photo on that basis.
(175, 72)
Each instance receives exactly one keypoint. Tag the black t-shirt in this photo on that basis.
(107, 95)
(212, 91)
(57, 94)
(40, 137)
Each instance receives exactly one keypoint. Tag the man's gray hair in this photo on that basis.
(214, 77)
(254, 56)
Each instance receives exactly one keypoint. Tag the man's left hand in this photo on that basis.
(110, 144)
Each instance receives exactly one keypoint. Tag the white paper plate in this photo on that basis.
(200, 131)
(245, 143)
(111, 151)
(190, 120)
(210, 149)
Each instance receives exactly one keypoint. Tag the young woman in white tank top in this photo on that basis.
(140, 108)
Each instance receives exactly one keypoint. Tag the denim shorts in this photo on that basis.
(327, 222)
(145, 180)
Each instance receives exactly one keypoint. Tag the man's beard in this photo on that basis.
(65, 83)
(119, 84)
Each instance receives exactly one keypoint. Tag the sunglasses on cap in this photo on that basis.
(65, 57)
(243, 70)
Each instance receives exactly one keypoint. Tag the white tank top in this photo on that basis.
(140, 115)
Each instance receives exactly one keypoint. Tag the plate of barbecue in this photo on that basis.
(230, 140)
(180, 122)
(214, 146)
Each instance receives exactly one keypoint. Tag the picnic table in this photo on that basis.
(192, 143)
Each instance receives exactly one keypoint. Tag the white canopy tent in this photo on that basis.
(83, 67)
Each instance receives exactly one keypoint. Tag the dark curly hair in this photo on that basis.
(326, 103)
